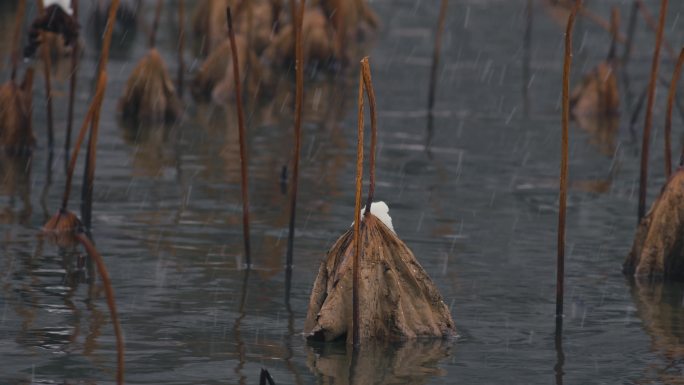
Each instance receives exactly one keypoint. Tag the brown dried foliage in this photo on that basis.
(658, 248)
(397, 298)
(150, 96)
(16, 134)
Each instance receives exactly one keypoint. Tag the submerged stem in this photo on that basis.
(111, 303)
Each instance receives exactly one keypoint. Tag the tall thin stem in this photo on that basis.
(668, 115)
(111, 302)
(243, 146)
(433, 71)
(563, 195)
(356, 337)
(649, 111)
(368, 85)
(72, 93)
(16, 38)
(299, 100)
(181, 46)
(89, 172)
(47, 64)
(155, 24)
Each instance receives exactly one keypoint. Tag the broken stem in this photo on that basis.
(631, 28)
(16, 38)
(72, 93)
(47, 63)
(181, 45)
(370, 92)
(299, 100)
(668, 115)
(109, 292)
(155, 24)
(243, 146)
(436, 52)
(356, 338)
(649, 111)
(614, 31)
(563, 195)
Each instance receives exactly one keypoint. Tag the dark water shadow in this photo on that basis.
(410, 362)
(660, 306)
(15, 178)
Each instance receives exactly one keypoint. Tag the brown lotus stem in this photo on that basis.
(107, 41)
(357, 220)
(649, 111)
(668, 115)
(631, 28)
(109, 292)
(72, 93)
(181, 46)
(97, 100)
(614, 31)
(299, 100)
(435, 64)
(370, 92)
(563, 195)
(655, 27)
(47, 64)
(89, 172)
(155, 24)
(16, 37)
(601, 22)
(243, 146)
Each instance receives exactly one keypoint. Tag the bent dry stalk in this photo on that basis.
(243, 146)
(111, 302)
(563, 194)
(643, 175)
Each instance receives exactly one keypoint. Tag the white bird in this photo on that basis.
(381, 211)
(64, 4)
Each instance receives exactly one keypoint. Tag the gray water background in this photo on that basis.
(479, 212)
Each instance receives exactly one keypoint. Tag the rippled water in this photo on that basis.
(479, 210)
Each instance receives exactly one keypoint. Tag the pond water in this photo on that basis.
(479, 210)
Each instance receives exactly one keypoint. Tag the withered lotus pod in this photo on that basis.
(150, 96)
(16, 134)
(62, 228)
(597, 94)
(658, 248)
(397, 299)
(214, 80)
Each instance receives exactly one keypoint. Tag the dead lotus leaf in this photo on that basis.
(658, 250)
(397, 299)
(597, 94)
(150, 96)
(16, 135)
